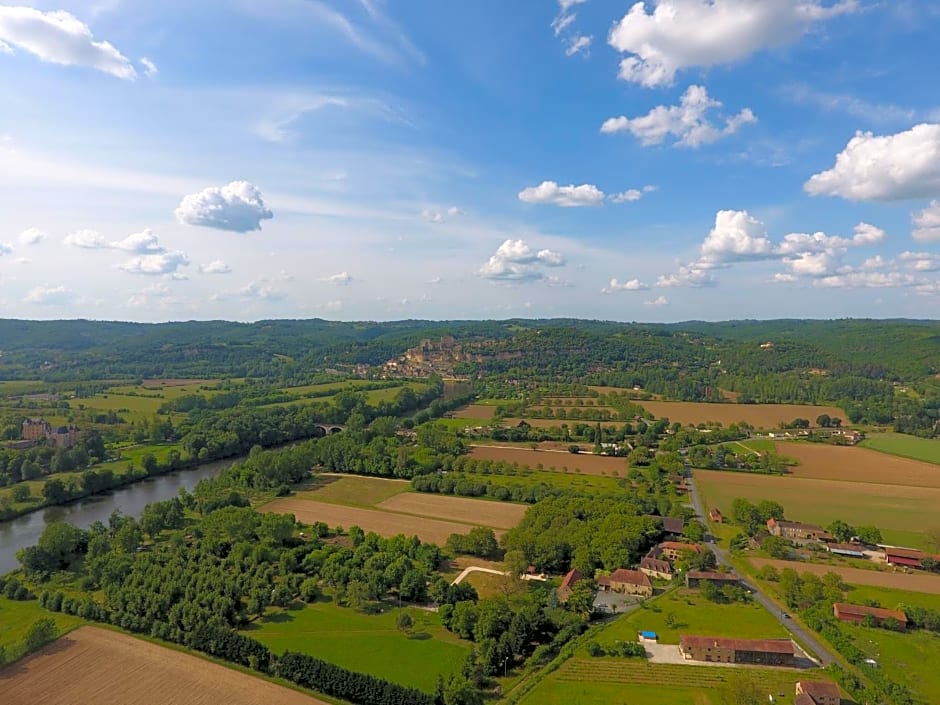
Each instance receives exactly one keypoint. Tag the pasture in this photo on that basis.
(768, 416)
(586, 463)
(353, 490)
(852, 464)
(912, 582)
(909, 658)
(690, 613)
(93, 666)
(478, 512)
(926, 449)
(17, 616)
(891, 598)
(603, 681)
(902, 513)
(382, 523)
(367, 643)
(481, 412)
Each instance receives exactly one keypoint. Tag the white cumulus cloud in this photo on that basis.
(566, 196)
(630, 195)
(215, 267)
(433, 215)
(340, 279)
(632, 285)
(927, 223)
(86, 239)
(58, 37)
(679, 34)
(238, 207)
(46, 295)
(736, 235)
(579, 44)
(690, 123)
(144, 242)
(658, 301)
(920, 261)
(164, 263)
(32, 236)
(884, 168)
(516, 262)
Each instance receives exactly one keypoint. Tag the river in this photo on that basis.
(131, 500)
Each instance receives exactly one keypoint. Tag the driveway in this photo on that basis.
(823, 656)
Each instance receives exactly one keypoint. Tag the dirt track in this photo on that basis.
(93, 666)
(916, 582)
(382, 523)
(499, 515)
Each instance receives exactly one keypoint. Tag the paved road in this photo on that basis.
(823, 655)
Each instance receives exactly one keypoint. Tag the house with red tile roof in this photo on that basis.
(859, 614)
(712, 649)
(629, 582)
(572, 577)
(817, 693)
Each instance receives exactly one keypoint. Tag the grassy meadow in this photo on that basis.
(925, 449)
(16, 617)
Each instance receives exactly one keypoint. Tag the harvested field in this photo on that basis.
(382, 523)
(758, 415)
(475, 411)
(351, 489)
(915, 582)
(537, 423)
(586, 463)
(99, 667)
(900, 511)
(479, 512)
(853, 464)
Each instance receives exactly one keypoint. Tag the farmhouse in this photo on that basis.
(796, 531)
(817, 693)
(673, 550)
(859, 614)
(694, 578)
(656, 567)
(766, 652)
(850, 550)
(629, 582)
(572, 577)
(671, 525)
(908, 557)
(715, 515)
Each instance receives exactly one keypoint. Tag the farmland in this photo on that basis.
(602, 681)
(925, 449)
(582, 462)
(851, 464)
(100, 667)
(909, 658)
(901, 512)
(690, 613)
(758, 415)
(482, 412)
(499, 515)
(913, 582)
(367, 643)
(17, 616)
(353, 490)
(381, 522)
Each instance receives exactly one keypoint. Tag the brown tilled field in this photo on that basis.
(475, 411)
(480, 512)
(172, 382)
(916, 582)
(588, 464)
(382, 523)
(758, 415)
(93, 666)
(852, 464)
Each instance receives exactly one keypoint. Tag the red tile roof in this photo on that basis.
(630, 577)
(849, 610)
(819, 689)
(660, 566)
(775, 646)
(679, 546)
(571, 577)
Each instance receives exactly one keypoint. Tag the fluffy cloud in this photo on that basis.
(86, 239)
(884, 168)
(920, 261)
(32, 236)
(858, 280)
(689, 122)
(237, 207)
(694, 274)
(340, 279)
(658, 301)
(580, 43)
(927, 223)
(144, 242)
(440, 216)
(49, 296)
(515, 262)
(736, 236)
(567, 196)
(215, 267)
(164, 263)
(632, 285)
(679, 34)
(868, 234)
(263, 290)
(58, 37)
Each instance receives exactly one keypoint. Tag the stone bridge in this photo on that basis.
(329, 428)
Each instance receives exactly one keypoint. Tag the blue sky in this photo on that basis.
(385, 159)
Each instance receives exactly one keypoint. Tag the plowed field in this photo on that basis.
(479, 512)
(382, 523)
(587, 463)
(92, 666)
(825, 462)
(758, 415)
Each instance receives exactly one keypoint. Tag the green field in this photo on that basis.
(16, 617)
(555, 479)
(609, 681)
(692, 614)
(351, 490)
(925, 449)
(890, 598)
(909, 658)
(367, 643)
